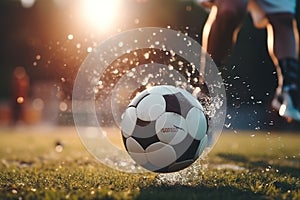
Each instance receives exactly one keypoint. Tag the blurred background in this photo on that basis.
(44, 42)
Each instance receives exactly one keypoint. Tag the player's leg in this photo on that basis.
(284, 35)
(288, 99)
(218, 34)
(229, 16)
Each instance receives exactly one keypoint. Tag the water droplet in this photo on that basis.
(70, 37)
(147, 55)
(121, 44)
(38, 104)
(130, 74)
(20, 100)
(89, 49)
(63, 106)
(180, 63)
(116, 71)
(228, 125)
(189, 43)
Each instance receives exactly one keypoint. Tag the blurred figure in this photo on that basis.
(222, 27)
(20, 88)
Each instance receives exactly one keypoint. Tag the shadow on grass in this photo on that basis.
(197, 192)
(293, 171)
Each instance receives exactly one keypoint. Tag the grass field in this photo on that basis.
(53, 164)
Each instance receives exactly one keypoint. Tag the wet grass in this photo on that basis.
(53, 164)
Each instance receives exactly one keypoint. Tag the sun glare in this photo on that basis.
(101, 13)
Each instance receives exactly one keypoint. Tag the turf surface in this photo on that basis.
(52, 163)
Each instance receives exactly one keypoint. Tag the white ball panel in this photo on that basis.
(151, 107)
(139, 158)
(163, 89)
(133, 146)
(138, 97)
(128, 121)
(196, 123)
(171, 128)
(202, 146)
(160, 154)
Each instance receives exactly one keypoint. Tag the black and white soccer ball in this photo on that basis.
(164, 129)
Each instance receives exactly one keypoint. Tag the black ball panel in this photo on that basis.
(186, 149)
(177, 103)
(173, 105)
(145, 142)
(162, 170)
(189, 154)
(124, 141)
(180, 165)
(144, 129)
(185, 105)
(142, 123)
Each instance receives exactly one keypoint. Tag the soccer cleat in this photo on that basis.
(277, 101)
(287, 101)
(284, 104)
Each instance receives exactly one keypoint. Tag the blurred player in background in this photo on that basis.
(20, 88)
(220, 33)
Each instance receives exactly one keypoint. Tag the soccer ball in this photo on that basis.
(164, 129)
